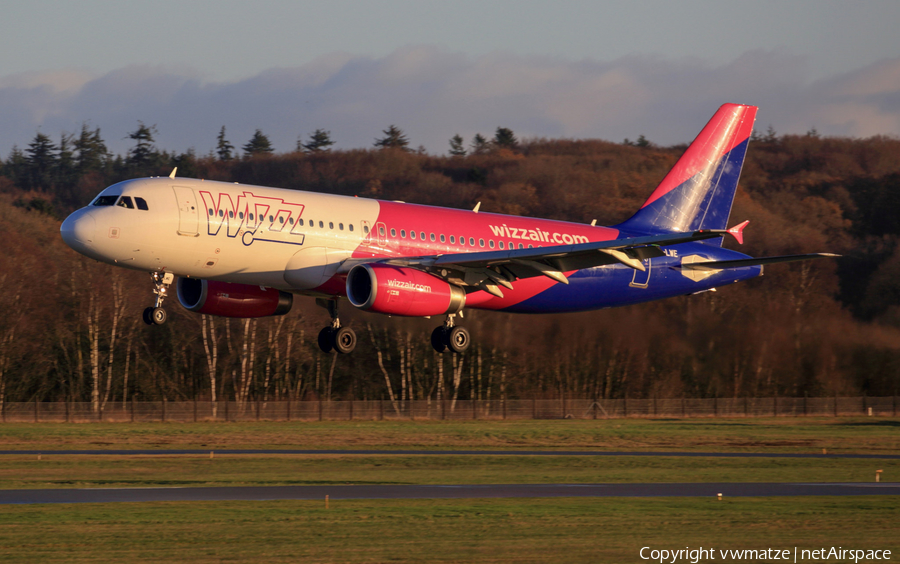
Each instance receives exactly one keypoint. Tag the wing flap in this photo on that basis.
(724, 264)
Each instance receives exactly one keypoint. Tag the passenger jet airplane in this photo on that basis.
(243, 251)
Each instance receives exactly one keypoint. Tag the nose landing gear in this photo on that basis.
(447, 336)
(156, 315)
(337, 338)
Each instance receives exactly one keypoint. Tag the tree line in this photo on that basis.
(72, 327)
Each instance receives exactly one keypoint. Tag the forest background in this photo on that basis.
(72, 327)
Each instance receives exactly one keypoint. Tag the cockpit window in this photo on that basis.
(125, 202)
(141, 203)
(106, 200)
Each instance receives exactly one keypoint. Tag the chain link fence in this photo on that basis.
(190, 411)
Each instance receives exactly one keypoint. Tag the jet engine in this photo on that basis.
(396, 290)
(232, 300)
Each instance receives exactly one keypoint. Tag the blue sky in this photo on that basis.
(552, 69)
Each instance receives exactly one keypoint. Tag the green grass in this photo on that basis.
(64, 471)
(528, 530)
(788, 434)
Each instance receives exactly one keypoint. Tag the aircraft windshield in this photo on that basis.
(106, 200)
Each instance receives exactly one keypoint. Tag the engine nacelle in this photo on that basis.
(231, 300)
(396, 290)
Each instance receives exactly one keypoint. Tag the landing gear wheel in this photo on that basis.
(439, 339)
(458, 339)
(158, 316)
(344, 340)
(326, 339)
(148, 315)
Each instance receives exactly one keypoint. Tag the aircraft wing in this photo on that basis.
(486, 270)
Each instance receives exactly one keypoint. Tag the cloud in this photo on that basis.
(433, 94)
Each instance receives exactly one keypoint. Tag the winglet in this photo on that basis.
(738, 232)
(172, 174)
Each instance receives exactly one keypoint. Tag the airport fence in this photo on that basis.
(562, 408)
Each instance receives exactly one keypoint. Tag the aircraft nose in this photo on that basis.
(78, 230)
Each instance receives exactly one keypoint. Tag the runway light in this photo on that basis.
(210, 455)
(720, 497)
(326, 501)
(878, 475)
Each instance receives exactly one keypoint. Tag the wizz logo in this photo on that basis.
(253, 218)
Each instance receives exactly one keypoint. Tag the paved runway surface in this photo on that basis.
(337, 492)
(172, 452)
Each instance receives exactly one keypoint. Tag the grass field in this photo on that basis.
(528, 530)
(497, 530)
(784, 434)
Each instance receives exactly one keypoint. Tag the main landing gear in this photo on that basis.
(337, 338)
(449, 337)
(156, 315)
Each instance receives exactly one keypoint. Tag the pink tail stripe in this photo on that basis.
(729, 127)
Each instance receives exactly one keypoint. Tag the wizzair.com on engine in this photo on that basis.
(245, 251)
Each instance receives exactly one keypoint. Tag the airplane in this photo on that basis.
(244, 251)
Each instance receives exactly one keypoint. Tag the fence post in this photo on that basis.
(746, 411)
(864, 404)
(381, 410)
(804, 404)
(164, 410)
(67, 411)
(132, 410)
(533, 407)
(835, 405)
(895, 405)
(36, 408)
(716, 406)
(257, 409)
(625, 406)
(683, 409)
(654, 406)
(195, 409)
(289, 409)
(3, 410)
(594, 408)
(351, 410)
(775, 406)
(474, 408)
(564, 405)
(100, 414)
(503, 405)
(320, 408)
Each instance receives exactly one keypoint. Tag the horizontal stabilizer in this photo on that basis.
(723, 264)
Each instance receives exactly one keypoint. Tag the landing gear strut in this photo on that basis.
(447, 336)
(335, 337)
(156, 315)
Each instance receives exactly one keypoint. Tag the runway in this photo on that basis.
(370, 452)
(485, 491)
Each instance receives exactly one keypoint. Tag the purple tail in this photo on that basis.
(698, 192)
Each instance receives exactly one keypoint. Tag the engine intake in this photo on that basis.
(396, 290)
(231, 300)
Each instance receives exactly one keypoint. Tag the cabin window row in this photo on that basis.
(443, 238)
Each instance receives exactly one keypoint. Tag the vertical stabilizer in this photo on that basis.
(698, 192)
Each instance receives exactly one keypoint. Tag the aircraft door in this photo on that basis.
(188, 214)
(641, 279)
(382, 233)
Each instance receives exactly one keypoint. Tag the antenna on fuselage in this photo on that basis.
(475, 209)
(172, 174)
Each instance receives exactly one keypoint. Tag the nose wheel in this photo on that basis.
(448, 336)
(156, 315)
(335, 337)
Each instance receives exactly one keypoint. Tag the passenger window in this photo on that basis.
(141, 203)
(520, 246)
(366, 228)
(481, 242)
(280, 219)
(442, 238)
(240, 215)
(452, 240)
(381, 231)
(403, 233)
(299, 221)
(125, 202)
(393, 232)
(231, 214)
(422, 234)
(291, 220)
(251, 216)
(106, 200)
(412, 235)
(211, 212)
(330, 225)
(321, 225)
(472, 241)
(501, 245)
(341, 226)
(271, 219)
(221, 213)
(491, 243)
(530, 246)
(351, 227)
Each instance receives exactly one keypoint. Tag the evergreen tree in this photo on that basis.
(479, 144)
(142, 153)
(41, 158)
(504, 137)
(259, 144)
(642, 141)
(319, 140)
(456, 146)
(92, 151)
(16, 168)
(66, 174)
(394, 138)
(224, 149)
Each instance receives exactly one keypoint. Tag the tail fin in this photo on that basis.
(698, 192)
